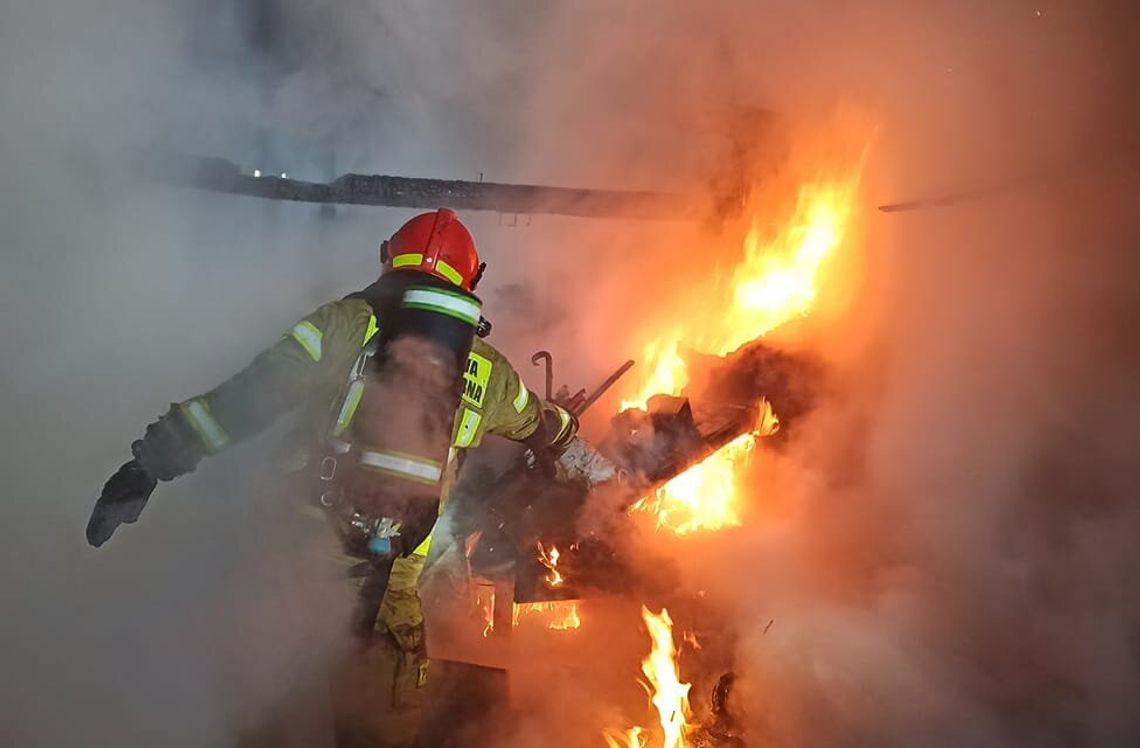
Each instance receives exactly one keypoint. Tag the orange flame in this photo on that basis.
(670, 374)
(663, 684)
(557, 615)
(632, 738)
(704, 496)
(779, 277)
(560, 615)
(667, 692)
(776, 280)
(485, 604)
(549, 559)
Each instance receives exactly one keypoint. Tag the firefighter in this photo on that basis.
(370, 375)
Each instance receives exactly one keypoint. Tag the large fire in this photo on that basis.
(775, 281)
(669, 696)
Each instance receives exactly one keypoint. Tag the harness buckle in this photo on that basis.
(328, 468)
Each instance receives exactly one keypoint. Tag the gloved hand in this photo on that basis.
(581, 462)
(123, 498)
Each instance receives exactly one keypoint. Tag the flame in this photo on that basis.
(667, 692)
(779, 277)
(670, 374)
(776, 280)
(632, 738)
(663, 683)
(560, 615)
(557, 615)
(704, 496)
(549, 559)
(485, 604)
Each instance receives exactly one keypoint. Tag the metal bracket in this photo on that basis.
(549, 359)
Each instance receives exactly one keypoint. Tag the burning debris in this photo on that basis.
(701, 497)
(694, 468)
(749, 389)
(712, 394)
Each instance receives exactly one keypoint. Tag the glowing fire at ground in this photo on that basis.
(663, 684)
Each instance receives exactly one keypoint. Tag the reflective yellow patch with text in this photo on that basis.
(475, 380)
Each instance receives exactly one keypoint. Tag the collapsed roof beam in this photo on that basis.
(220, 175)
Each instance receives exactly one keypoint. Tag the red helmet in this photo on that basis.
(436, 243)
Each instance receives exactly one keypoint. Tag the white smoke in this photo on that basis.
(957, 570)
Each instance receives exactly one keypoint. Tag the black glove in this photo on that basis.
(122, 500)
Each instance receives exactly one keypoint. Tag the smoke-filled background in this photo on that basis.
(948, 551)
